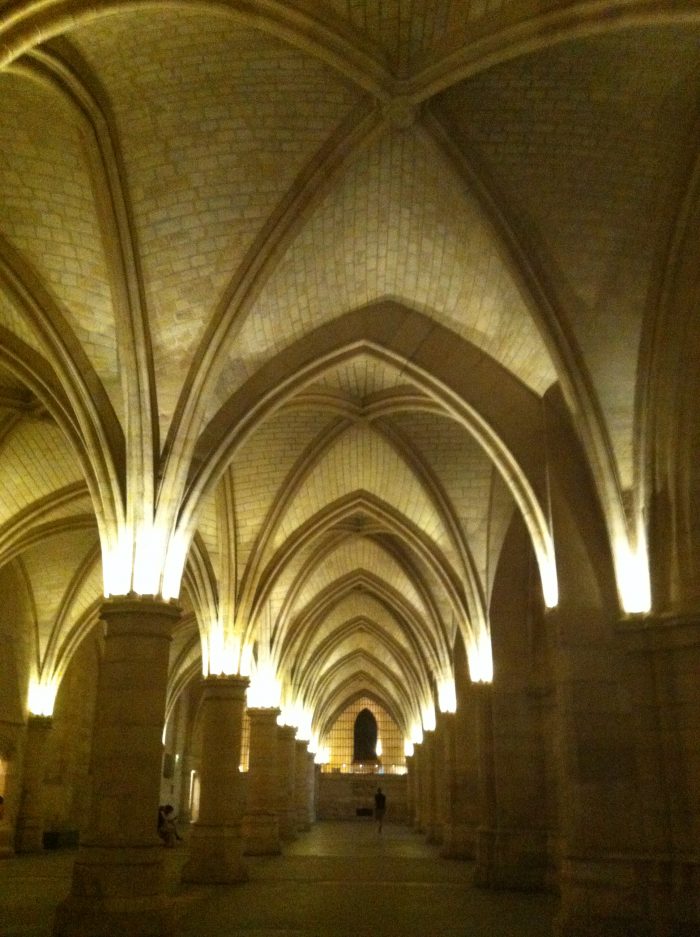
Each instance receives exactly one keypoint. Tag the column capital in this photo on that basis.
(225, 685)
(133, 614)
(263, 712)
(660, 631)
(287, 732)
(38, 722)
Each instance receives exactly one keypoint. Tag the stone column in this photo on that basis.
(118, 887)
(9, 784)
(451, 846)
(464, 809)
(261, 826)
(418, 759)
(310, 788)
(216, 841)
(486, 830)
(30, 820)
(653, 891)
(430, 793)
(286, 747)
(300, 785)
(411, 789)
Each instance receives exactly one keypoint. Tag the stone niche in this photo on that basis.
(351, 796)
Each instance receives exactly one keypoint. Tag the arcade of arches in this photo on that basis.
(349, 360)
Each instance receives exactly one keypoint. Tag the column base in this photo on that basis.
(216, 856)
(513, 859)
(261, 834)
(629, 897)
(288, 825)
(434, 834)
(29, 838)
(7, 840)
(116, 893)
(458, 842)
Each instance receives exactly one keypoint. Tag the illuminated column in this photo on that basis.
(301, 785)
(653, 890)
(286, 742)
(30, 820)
(310, 788)
(261, 826)
(486, 830)
(411, 789)
(464, 809)
(448, 798)
(118, 885)
(418, 786)
(430, 796)
(216, 842)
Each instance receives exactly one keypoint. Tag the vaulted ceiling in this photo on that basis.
(293, 279)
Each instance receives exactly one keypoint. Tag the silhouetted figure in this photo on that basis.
(379, 808)
(166, 825)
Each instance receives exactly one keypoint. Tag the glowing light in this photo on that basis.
(480, 658)
(408, 748)
(428, 717)
(297, 715)
(145, 562)
(117, 562)
(323, 755)
(416, 733)
(264, 689)
(149, 552)
(632, 574)
(550, 584)
(42, 697)
(447, 695)
(378, 748)
(174, 565)
(221, 652)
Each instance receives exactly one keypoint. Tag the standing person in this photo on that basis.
(379, 808)
(166, 825)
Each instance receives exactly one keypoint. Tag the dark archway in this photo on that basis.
(365, 737)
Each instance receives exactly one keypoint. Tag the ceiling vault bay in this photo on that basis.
(285, 295)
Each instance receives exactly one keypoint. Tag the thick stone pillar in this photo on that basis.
(411, 789)
(30, 820)
(286, 747)
(261, 826)
(310, 788)
(460, 828)
(450, 843)
(429, 791)
(486, 830)
(118, 887)
(419, 788)
(216, 841)
(652, 890)
(301, 796)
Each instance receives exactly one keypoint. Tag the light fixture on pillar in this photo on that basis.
(264, 689)
(416, 733)
(447, 695)
(550, 585)
(220, 651)
(428, 716)
(480, 658)
(408, 747)
(632, 573)
(41, 697)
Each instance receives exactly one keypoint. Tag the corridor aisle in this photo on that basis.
(338, 880)
(344, 880)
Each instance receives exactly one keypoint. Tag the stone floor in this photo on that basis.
(338, 880)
